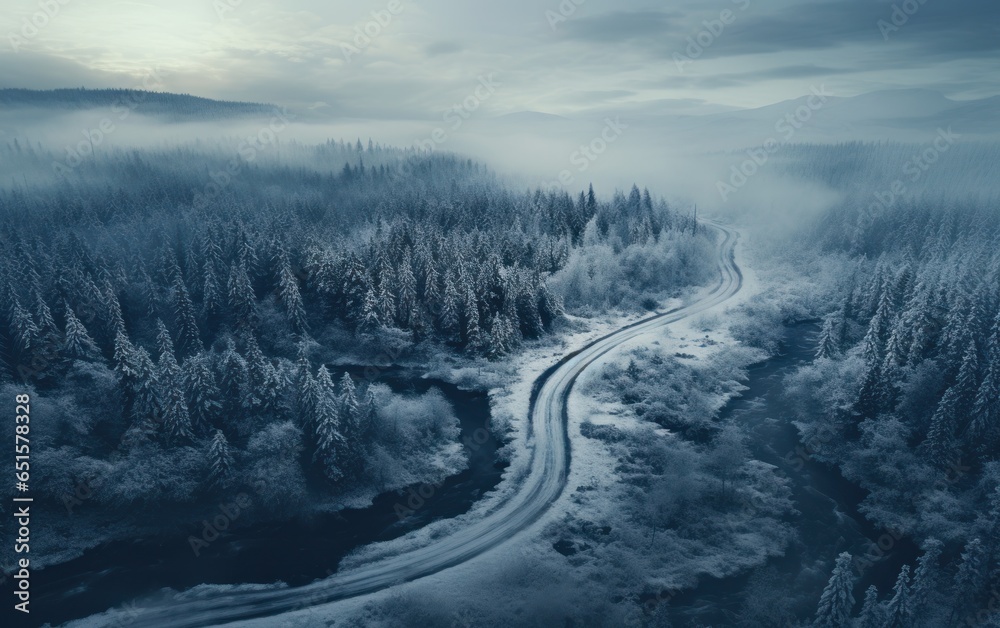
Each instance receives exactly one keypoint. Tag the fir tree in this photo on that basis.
(202, 392)
(48, 332)
(147, 410)
(971, 577)
(983, 432)
(926, 578)
(175, 415)
(872, 612)
(220, 460)
(211, 300)
(385, 306)
(291, 298)
(369, 312)
(837, 600)
(449, 321)
(473, 337)
(407, 293)
(264, 390)
(77, 343)
(126, 362)
(330, 443)
(941, 444)
(188, 337)
(306, 393)
(349, 404)
(369, 416)
(23, 330)
(234, 384)
(900, 609)
(325, 386)
(114, 322)
(242, 302)
(827, 347)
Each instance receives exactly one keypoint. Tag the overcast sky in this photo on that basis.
(621, 55)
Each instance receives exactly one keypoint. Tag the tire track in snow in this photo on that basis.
(541, 488)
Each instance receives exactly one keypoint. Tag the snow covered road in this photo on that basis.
(542, 486)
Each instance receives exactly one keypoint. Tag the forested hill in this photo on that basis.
(146, 102)
(175, 310)
(905, 392)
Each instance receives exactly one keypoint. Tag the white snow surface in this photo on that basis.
(504, 524)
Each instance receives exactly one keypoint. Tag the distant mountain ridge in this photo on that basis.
(145, 102)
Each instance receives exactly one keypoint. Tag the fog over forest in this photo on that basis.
(581, 314)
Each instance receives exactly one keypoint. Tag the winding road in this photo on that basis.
(539, 490)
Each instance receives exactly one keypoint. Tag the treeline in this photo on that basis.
(905, 393)
(175, 340)
(142, 101)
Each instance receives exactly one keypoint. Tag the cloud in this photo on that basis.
(442, 48)
(605, 55)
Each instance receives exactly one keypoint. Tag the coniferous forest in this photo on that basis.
(177, 344)
(446, 314)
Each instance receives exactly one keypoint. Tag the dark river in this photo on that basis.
(829, 522)
(296, 552)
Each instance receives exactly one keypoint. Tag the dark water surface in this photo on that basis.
(829, 522)
(295, 552)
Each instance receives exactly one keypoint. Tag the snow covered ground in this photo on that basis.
(698, 334)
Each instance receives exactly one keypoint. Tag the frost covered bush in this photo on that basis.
(598, 277)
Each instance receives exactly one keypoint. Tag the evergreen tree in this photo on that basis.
(926, 578)
(114, 322)
(352, 289)
(220, 460)
(24, 331)
(234, 385)
(900, 609)
(291, 297)
(871, 395)
(872, 612)
(827, 347)
(188, 337)
(984, 429)
(472, 336)
(369, 416)
(349, 404)
(126, 362)
(211, 300)
(48, 332)
(941, 444)
(306, 393)
(330, 443)
(202, 392)
(406, 299)
(924, 327)
(369, 312)
(255, 398)
(837, 600)
(175, 415)
(147, 408)
(550, 308)
(77, 343)
(242, 302)
(531, 325)
(971, 578)
(449, 321)
(385, 306)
